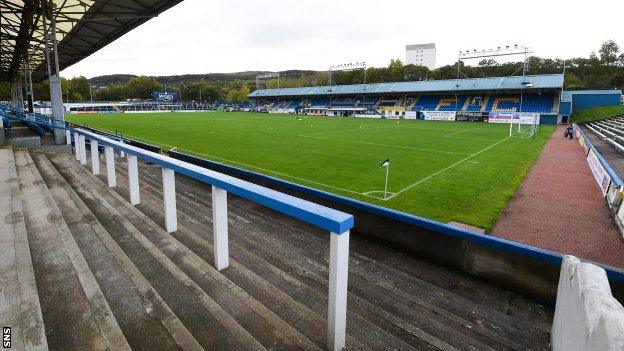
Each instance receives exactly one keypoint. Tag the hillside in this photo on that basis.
(107, 80)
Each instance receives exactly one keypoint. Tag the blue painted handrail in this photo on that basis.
(320, 216)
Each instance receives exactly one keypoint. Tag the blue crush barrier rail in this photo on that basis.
(336, 222)
(495, 259)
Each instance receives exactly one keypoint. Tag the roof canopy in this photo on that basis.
(83, 27)
(540, 82)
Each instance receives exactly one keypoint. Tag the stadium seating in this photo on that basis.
(533, 102)
(542, 103)
(389, 102)
(178, 106)
(451, 103)
(474, 103)
(539, 103)
(427, 103)
(94, 109)
(319, 103)
(344, 103)
(367, 102)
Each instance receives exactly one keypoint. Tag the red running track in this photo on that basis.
(560, 207)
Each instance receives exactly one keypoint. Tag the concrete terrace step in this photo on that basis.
(283, 286)
(146, 321)
(19, 302)
(75, 312)
(274, 302)
(388, 308)
(209, 310)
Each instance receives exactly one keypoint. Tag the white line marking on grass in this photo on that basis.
(385, 145)
(471, 139)
(461, 131)
(453, 135)
(370, 194)
(254, 167)
(445, 169)
(361, 128)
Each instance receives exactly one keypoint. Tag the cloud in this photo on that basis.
(199, 36)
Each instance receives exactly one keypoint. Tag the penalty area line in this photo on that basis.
(461, 131)
(444, 170)
(384, 145)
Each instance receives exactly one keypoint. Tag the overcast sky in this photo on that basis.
(208, 36)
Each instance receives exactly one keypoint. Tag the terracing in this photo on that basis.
(92, 271)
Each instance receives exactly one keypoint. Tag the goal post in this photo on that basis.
(524, 125)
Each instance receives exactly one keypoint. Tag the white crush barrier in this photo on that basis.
(587, 316)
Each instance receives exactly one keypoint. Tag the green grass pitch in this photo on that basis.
(446, 171)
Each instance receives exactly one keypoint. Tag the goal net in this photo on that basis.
(524, 125)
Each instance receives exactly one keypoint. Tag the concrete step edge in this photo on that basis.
(170, 321)
(101, 312)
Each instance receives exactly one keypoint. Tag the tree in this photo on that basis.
(413, 72)
(572, 82)
(79, 89)
(141, 87)
(609, 53)
(395, 71)
(212, 93)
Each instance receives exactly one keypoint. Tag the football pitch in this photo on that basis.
(446, 171)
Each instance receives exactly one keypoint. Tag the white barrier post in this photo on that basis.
(68, 137)
(110, 166)
(338, 275)
(83, 150)
(122, 154)
(133, 180)
(95, 157)
(220, 228)
(171, 219)
(76, 146)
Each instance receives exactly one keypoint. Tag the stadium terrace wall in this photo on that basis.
(575, 100)
(528, 270)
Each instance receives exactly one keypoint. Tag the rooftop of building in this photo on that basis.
(532, 82)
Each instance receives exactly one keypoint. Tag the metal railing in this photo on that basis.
(337, 223)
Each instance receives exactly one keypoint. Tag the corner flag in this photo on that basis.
(386, 164)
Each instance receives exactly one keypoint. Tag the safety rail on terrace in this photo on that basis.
(336, 222)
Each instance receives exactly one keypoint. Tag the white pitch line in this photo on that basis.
(347, 130)
(452, 136)
(384, 145)
(402, 126)
(444, 170)
(471, 139)
(461, 131)
(255, 167)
